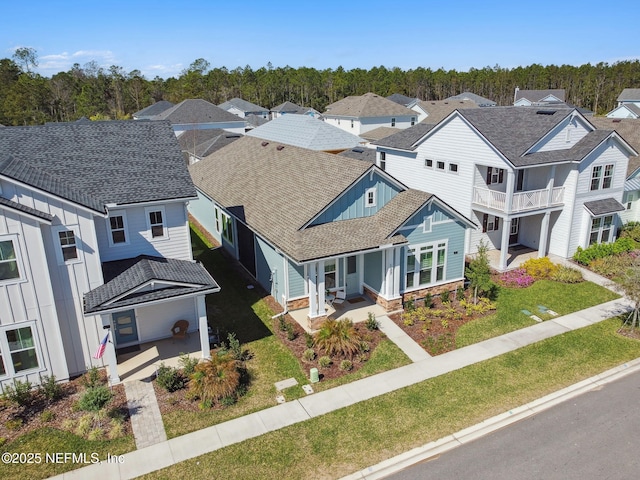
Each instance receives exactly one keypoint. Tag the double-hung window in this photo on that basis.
(118, 228)
(156, 222)
(495, 175)
(8, 260)
(425, 265)
(370, 197)
(330, 270)
(383, 160)
(68, 246)
(17, 350)
(601, 230)
(601, 177)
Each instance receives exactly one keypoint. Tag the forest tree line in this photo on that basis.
(27, 98)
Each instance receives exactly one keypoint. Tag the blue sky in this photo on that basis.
(160, 37)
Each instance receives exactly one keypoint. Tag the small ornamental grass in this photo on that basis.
(338, 337)
(215, 379)
(566, 274)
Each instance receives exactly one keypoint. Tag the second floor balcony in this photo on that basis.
(520, 201)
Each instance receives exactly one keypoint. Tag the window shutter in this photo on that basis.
(489, 175)
(500, 175)
(485, 220)
(496, 223)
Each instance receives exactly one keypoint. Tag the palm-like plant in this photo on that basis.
(216, 378)
(338, 337)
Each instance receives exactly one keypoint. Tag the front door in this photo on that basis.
(125, 328)
(351, 278)
(513, 234)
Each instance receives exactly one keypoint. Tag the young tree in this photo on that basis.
(630, 284)
(479, 273)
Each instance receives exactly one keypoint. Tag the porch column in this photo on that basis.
(504, 244)
(313, 290)
(397, 258)
(550, 184)
(203, 326)
(388, 283)
(511, 183)
(109, 356)
(544, 233)
(321, 287)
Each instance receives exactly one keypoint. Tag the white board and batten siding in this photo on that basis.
(564, 136)
(154, 322)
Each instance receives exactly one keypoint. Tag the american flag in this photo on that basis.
(102, 347)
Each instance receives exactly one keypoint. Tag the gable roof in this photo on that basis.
(306, 132)
(367, 105)
(629, 95)
(255, 120)
(405, 139)
(204, 142)
(401, 99)
(629, 130)
(279, 191)
(196, 111)
(25, 210)
(438, 110)
(537, 95)
(287, 107)
(153, 109)
(126, 282)
(477, 99)
(242, 105)
(97, 163)
(632, 108)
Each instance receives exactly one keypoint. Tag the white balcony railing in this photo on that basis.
(520, 201)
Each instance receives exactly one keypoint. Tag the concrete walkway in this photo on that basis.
(146, 420)
(166, 453)
(404, 342)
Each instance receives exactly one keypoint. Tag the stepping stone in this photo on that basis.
(308, 389)
(280, 399)
(552, 313)
(289, 382)
(536, 318)
(527, 312)
(543, 309)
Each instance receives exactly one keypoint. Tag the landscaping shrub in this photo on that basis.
(517, 278)
(444, 296)
(601, 250)
(95, 398)
(187, 363)
(612, 265)
(631, 230)
(236, 349)
(282, 323)
(215, 378)
(170, 378)
(371, 322)
(484, 305)
(409, 305)
(338, 337)
(408, 321)
(324, 361)
(291, 333)
(47, 416)
(346, 365)
(539, 268)
(308, 340)
(428, 301)
(20, 393)
(309, 354)
(50, 389)
(92, 378)
(460, 293)
(564, 274)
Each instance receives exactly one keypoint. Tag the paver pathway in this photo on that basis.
(146, 420)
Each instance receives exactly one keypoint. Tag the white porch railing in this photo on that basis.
(521, 201)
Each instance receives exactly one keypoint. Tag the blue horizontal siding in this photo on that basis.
(296, 280)
(373, 270)
(202, 211)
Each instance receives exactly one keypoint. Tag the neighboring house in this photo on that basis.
(152, 110)
(359, 153)
(477, 99)
(625, 110)
(94, 237)
(526, 98)
(433, 111)
(293, 109)
(541, 178)
(629, 129)
(254, 121)
(629, 96)
(197, 114)
(243, 108)
(307, 223)
(197, 144)
(378, 134)
(403, 100)
(306, 132)
(359, 114)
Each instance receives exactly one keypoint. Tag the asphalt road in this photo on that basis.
(593, 436)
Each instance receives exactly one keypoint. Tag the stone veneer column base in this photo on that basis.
(315, 322)
(298, 303)
(389, 305)
(420, 294)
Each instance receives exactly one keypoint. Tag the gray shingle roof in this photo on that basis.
(11, 205)
(477, 99)
(404, 139)
(441, 109)
(286, 107)
(629, 95)
(256, 120)
(628, 129)
(153, 109)
(306, 132)
(126, 276)
(242, 105)
(196, 111)
(367, 106)
(360, 153)
(604, 206)
(401, 99)
(98, 163)
(277, 192)
(538, 95)
(379, 133)
(204, 142)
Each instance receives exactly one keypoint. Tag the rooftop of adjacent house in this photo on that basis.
(204, 142)
(401, 99)
(98, 163)
(629, 130)
(255, 120)
(477, 99)
(153, 109)
(631, 107)
(629, 95)
(366, 106)
(405, 139)
(242, 105)
(538, 95)
(125, 282)
(360, 153)
(438, 110)
(286, 107)
(278, 189)
(379, 133)
(306, 132)
(196, 111)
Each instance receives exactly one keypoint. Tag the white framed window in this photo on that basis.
(428, 163)
(453, 167)
(9, 260)
(383, 160)
(370, 197)
(601, 230)
(18, 350)
(490, 223)
(601, 177)
(330, 274)
(425, 264)
(217, 214)
(630, 198)
(495, 175)
(156, 222)
(351, 123)
(117, 224)
(440, 165)
(67, 242)
(393, 122)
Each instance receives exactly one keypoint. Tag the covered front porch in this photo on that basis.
(516, 256)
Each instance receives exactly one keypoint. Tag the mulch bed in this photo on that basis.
(62, 409)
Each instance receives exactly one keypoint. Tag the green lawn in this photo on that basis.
(353, 438)
(562, 298)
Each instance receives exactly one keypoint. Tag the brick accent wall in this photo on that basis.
(420, 294)
(388, 305)
(298, 303)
